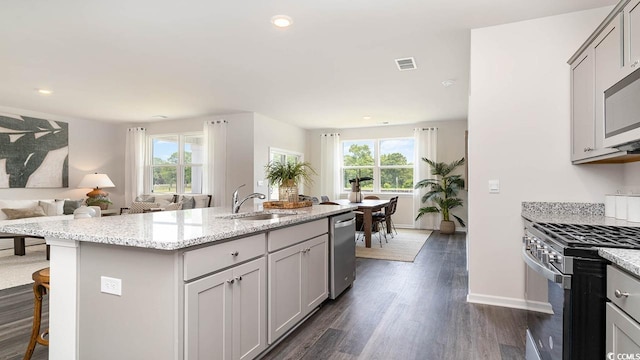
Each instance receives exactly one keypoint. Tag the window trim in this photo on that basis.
(377, 186)
(180, 166)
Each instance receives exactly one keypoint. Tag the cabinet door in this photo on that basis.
(315, 258)
(207, 330)
(632, 35)
(582, 112)
(607, 57)
(285, 290)
(249, 309)
(623, 333)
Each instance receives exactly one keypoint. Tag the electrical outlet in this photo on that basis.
(109, 285)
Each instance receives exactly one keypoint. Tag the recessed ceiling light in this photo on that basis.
(160, 117)
(384, 123)
(281, 21)
(448, 82)
(367, 117)
(45, 91)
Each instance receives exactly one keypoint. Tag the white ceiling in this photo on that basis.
(128, 60)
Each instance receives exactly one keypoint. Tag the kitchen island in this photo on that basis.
(189, 284)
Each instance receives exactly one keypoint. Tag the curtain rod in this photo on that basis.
(423, 129)
(330, 134)
(136, 128)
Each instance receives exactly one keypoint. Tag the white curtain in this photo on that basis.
(426, 145)
(330, 165)
(215, 169)
(134, 164)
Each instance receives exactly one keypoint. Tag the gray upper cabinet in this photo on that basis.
(592, 72)
(605, 58)
(631, 36)
(582, 91)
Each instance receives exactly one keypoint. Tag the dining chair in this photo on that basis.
(329, 203)
(371, 197)
(393, 205)
(380, 218)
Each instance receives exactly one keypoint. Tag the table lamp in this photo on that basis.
(96, 181)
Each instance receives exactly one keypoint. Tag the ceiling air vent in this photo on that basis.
(406, 64)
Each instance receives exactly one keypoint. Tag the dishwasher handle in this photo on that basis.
(344, 223)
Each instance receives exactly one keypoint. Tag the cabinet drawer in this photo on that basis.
(283, 238)
(625, 284)
(215, 257)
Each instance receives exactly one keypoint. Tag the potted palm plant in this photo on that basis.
(442, 191)
(287, 176)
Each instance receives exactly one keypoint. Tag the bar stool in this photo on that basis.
(40, 288)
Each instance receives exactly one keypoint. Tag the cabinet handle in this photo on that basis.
(231, 281)
(234, 253)
(635, 63)
(238, 278)
(619, 294)
(587, 149)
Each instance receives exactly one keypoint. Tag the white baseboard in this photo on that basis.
(513, 303)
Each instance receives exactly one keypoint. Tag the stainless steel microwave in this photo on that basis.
(622, 113)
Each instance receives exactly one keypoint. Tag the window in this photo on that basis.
(176, 163)
(282, 156)
(388, 161)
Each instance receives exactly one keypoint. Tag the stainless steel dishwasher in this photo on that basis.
(342, 249)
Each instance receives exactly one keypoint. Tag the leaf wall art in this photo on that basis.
(34, 153)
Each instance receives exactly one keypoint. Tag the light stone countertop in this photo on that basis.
(576, 219)
(626, 259)
(170, 230)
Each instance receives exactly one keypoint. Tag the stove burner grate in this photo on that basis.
(573, 235)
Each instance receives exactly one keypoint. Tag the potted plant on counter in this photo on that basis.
(287, 176)
(442, 191)
(101, 201)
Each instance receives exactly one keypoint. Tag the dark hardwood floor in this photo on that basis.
(16, 319)
(407, 311)
(396, 310)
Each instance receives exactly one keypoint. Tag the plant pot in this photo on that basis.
(447, 227)
(288, 191)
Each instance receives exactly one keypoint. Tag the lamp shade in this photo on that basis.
(96, 181)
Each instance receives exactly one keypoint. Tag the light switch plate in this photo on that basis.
(109, 285)
(494, 186)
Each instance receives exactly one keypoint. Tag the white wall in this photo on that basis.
(451, 147)
(94, 146)
(270, 133)
(249, 137)
(519, 133)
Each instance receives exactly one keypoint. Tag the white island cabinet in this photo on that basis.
(298, 275)
(193, 284)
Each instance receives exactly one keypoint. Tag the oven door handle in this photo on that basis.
(555, 276)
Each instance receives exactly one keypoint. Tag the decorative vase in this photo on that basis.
(84, 212)
(447, 227)
(355, 196)
(288, 191)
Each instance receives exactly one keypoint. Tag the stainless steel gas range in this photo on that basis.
(566, 255)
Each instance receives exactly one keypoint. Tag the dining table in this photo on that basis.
(368, 207)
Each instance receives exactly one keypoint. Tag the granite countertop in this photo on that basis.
(570, 213)
(170, 230)
(626, 259)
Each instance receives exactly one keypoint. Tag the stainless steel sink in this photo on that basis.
(261, 216)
